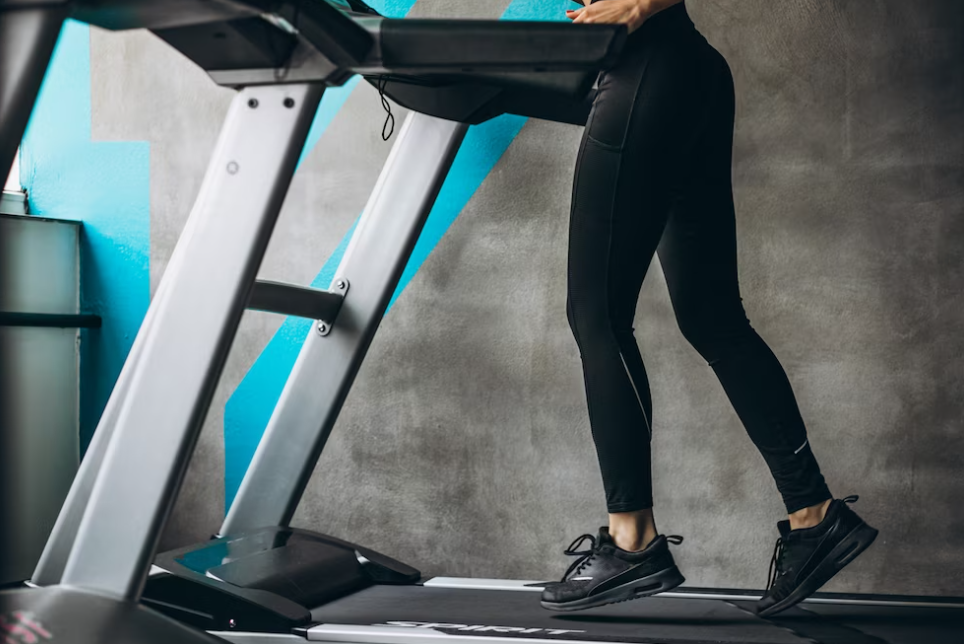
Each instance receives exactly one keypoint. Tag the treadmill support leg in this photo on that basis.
(326, 367)
(50, 567)
(192, 324)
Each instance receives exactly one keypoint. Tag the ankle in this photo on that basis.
(810, 516)
(633, 531)
(635, 543)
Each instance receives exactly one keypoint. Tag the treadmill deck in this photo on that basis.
(418, 614)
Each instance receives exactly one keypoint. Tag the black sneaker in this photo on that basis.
(806, 559)
(606, 574)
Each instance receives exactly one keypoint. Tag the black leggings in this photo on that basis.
(653, 175)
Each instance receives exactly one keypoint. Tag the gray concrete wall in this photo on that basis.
(464, 447)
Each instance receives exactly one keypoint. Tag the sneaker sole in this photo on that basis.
(843, 553)
(654, 584)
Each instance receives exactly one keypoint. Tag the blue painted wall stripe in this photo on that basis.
(106, 185)
(249, 408)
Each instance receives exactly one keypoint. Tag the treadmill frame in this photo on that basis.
(148, 437)
(326, 367)
(189, 329)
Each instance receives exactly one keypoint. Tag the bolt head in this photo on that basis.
(232, 623)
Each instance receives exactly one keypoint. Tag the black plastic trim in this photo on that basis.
(338, 37)
(477, 45)
(51, 320)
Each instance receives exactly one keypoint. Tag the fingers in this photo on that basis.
(577, 15)
(586, 15)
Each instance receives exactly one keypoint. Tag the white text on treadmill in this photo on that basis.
(479, 628)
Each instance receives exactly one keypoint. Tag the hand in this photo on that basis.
(626, 12)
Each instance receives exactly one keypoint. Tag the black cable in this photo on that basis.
(382, 82)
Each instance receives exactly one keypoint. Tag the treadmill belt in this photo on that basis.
(810, 626)
(655, 620)
(877, 624)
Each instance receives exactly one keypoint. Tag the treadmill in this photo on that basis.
(279, 55)
(260, 580)
(80, 607)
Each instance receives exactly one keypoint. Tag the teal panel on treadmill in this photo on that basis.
(249, 409)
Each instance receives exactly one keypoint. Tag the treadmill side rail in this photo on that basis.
(419, 633)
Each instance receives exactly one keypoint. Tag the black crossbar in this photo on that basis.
(51, 320)
(299, 301)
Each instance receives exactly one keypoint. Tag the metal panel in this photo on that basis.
(39, 439)
(14, 203)
(323, 374)
(39, 433)
(39, 265)
(188, 340)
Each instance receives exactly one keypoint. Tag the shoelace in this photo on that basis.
(776, 562)
(585, 556)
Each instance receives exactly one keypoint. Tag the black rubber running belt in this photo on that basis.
(811, 626)
(503, 614)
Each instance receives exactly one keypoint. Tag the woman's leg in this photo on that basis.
(698, 255)
(699, 258)
(642, 123)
